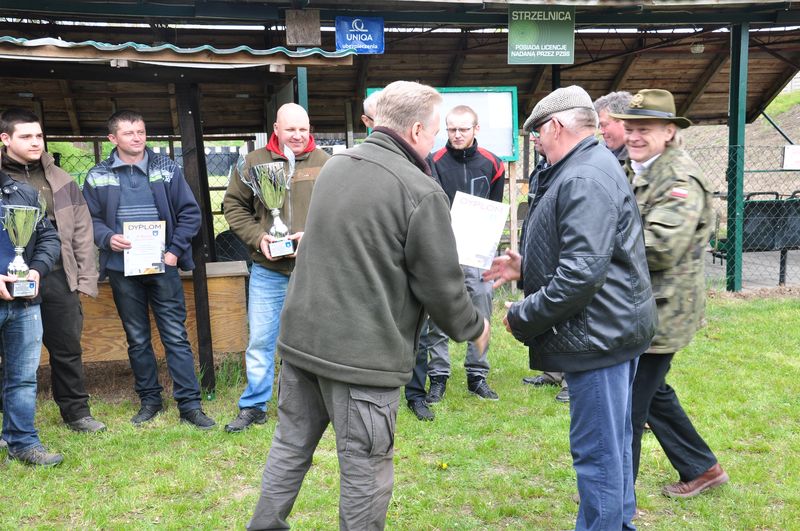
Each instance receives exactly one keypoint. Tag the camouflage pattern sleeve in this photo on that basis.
(670, 224)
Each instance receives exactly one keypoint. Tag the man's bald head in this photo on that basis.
(292, 127)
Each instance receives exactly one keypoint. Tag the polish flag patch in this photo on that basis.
(683, 193)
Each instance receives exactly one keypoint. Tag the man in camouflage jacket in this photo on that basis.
(674, 199)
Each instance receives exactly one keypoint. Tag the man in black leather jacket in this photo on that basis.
(588, 308)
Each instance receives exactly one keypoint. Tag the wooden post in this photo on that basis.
(348, 118)
(194, 164)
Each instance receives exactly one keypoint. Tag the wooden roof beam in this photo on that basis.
(625, 68)
(173, 109)
(458, 61)
(361, 77)
(714, 68)
(69, 104)
(783, 79)
(537, 78)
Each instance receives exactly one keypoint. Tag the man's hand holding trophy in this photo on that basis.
(271, 184)
(20, 223)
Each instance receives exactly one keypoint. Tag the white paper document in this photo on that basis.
(146, 255)
(477, 225)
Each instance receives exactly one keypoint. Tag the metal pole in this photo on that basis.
(302, 87)
(737, 109)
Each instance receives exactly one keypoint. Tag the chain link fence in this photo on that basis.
(219, 161)
(770, 222)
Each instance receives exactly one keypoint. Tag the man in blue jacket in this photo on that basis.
(136, 184)
(21, 330)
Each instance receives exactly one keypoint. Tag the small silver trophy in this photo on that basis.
(20, 223)
(271, 184)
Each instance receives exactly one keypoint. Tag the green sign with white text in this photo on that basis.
(541, 35)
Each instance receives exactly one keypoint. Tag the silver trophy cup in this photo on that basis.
(270, 183)
(20, 223)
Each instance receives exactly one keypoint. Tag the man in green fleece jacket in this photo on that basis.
(376, 255)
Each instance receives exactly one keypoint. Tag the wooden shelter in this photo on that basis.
(681, 46)
(199, 67)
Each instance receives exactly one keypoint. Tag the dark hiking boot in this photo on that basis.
(198, 419)
(146, 414)
(437, 389)
(35, 456)
(247, 417)
(87, 424)
(479, 387)
(421, 410)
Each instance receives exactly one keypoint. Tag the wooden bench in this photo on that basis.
(104, 338)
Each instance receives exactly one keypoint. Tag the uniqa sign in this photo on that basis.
(362, 34)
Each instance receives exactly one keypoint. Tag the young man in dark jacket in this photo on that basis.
(136, 184)
(21, 329)
(73, 276)
(349, 325)
(460, 166)
(588, 308)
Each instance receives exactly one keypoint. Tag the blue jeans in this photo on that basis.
(163, 294)
(600, 437)
(20, 348)
(267, 293)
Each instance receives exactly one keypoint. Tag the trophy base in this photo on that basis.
(22, 288)
(282, 247)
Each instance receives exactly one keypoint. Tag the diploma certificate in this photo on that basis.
(477, 225)
(146, 255)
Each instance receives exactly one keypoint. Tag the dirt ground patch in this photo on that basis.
(778, 292)
(112, 381)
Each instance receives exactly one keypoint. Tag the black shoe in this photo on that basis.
(246, 417)
(35, 456)
(481, 389)
(539, 381)
(198, 419)
(437, 389)
(87, 424)
(563, 395)
(420, 409)
(146, 414)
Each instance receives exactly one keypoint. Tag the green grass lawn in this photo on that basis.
(480, 465)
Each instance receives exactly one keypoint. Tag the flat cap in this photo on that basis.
(563, 99)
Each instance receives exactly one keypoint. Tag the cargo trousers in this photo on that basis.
(363, 419)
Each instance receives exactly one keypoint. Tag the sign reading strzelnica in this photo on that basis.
(541, 35)
(362, 34)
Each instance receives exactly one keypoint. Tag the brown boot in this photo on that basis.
(713, 477)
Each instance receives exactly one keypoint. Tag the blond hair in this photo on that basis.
(404, 103)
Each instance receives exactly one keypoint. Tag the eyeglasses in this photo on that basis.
(536, 132)
(462, 130)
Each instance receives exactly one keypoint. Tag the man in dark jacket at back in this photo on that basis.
(367, 271)
(588, 308)
(460, 166)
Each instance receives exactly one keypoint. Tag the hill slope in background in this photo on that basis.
(759, 133)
